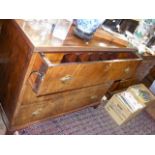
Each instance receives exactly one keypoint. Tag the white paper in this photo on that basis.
(131, 101)
(62, 28)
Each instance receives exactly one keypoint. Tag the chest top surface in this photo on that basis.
(44, 41)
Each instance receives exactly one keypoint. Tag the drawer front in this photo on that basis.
(49, 78)
(60, 103)
(120, 85)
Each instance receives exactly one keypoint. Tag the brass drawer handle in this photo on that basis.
(33, 76)
(66, 78)
(37, 112)
(127, 70)
(94, 97)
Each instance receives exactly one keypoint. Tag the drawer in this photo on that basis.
(120, 85)
(60, 103)
(47, 77)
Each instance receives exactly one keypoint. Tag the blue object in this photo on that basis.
(85, 28)
(88, 26)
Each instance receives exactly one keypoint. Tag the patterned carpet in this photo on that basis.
(92, 121)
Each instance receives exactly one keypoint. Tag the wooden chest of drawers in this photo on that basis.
(140, 76)
(40, 80)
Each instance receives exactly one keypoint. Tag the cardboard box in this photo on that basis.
(151, 108)
(120, 110)
(142, 94)
(125, 105)
(152, 87)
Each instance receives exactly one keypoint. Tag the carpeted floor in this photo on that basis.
(91, 121)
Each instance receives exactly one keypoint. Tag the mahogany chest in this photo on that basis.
(45, 78)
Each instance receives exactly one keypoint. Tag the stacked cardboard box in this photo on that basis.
(142, 94)
(125, 105)
(151, 109)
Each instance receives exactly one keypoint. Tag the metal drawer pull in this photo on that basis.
(33, 76)
(37, 112)
(66, 78)
(127, 70)
(94, 97)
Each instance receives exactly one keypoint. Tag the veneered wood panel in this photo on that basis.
(16, 52)
(122, 84)
(60, 103)
(65, 82)
(58, 78)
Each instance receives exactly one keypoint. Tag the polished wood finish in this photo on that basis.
(40, 79)
(48, 43)
(16, 52)
(122, 84)
(112, 37)
(54, 57)
(2, 21)
(142, 71)
(52, 78)
(59, 103)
